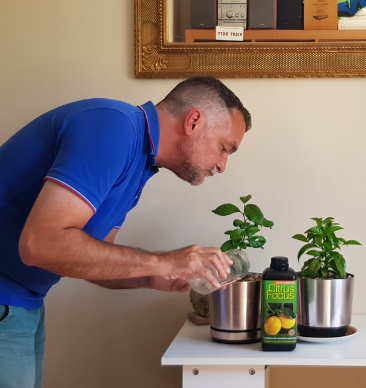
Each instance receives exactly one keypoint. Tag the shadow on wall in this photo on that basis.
(105, 338)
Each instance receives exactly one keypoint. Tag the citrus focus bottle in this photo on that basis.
(279, 306)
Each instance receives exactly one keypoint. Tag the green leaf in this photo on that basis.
(333, 229)
(254, 214)
(256, 241)
(313, 252)
(311, 235)
(237, 234)
(305, 248)
(328, 245)
(306, 264)
(317, 220)
(318, 230)
(332, 266)
(313, 268)
(340, 264)
(333, 239)
(246, 225)
(267, 223)
(228, 232)
(318, 241)
(239, 223)
(226, 209)
(288, 313)
(246, 198)
(251, 231)
(327, 226)
(352, 242)
(324, 272)
(242, 245)
(328, 220)
(227, 245)
(300, 237)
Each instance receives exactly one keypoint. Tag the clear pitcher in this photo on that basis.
(239, 268)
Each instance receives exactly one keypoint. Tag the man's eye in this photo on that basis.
(224, 149)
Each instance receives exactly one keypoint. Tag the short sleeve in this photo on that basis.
(94, 148)
(119, 224)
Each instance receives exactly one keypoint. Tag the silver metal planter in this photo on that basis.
(324, 306)
(235, 313)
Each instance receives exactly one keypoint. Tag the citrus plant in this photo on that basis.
(323, 246)
(245, 233)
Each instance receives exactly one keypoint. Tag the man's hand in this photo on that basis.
(188, 263)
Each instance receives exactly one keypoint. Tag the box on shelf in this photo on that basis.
(320, 14)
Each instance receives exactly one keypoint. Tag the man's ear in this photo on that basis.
(193, 118)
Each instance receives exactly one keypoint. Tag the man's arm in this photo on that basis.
(53, 239)
(154, 282)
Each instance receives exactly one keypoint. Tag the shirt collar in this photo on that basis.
(153, 126)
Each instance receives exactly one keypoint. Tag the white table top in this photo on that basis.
(194, 345)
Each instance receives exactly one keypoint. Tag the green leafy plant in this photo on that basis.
(245, 233)
(322, 245)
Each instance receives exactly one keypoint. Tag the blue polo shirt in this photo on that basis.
(102, 150)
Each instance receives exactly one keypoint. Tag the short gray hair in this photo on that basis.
(210, 95)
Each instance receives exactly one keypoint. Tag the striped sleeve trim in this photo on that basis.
(73, 190)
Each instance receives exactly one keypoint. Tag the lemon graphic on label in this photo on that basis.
(287, 323)
(272, 325)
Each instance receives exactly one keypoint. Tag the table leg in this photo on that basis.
(223, 376)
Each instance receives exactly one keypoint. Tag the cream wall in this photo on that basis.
(303, 158)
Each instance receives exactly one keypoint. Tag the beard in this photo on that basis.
(190, 168)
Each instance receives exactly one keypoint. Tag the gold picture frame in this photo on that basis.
(155, 57)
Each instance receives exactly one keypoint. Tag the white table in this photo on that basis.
(207, 363)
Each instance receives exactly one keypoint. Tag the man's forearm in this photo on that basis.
(74, 253)
(117, 284)
(153, 282)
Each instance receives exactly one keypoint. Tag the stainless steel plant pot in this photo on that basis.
(324, 306)
(235, 313)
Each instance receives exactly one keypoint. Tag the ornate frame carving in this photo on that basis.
(155, 57)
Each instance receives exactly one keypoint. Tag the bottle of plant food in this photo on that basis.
(279, 306)
(238, 270)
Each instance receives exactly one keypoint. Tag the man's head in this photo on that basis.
(208, 94)
(210, 122)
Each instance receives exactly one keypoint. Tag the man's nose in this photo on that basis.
(221, 166)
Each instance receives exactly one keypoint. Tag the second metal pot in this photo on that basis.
(324, 306)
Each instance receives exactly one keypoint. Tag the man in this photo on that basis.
(67, 181)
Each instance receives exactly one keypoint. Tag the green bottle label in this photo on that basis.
(279, 307)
